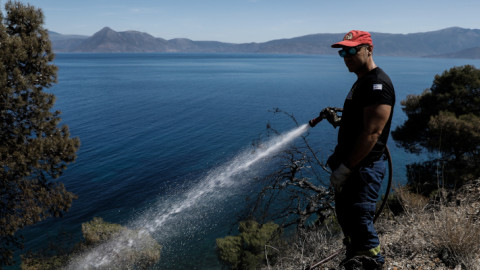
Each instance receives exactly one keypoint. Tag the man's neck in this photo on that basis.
(367, 68)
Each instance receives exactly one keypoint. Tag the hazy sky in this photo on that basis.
(241, 21)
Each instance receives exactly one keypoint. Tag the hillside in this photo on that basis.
(472, 53)
(452, 42)
(437, 233)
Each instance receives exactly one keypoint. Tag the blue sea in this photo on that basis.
(151, 125)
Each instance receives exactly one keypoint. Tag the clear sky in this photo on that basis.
(242, 21)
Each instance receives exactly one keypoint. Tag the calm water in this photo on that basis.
(153, 124)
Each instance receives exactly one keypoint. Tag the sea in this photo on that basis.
(153, 125)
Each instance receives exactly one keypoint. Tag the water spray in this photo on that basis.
(216, 186)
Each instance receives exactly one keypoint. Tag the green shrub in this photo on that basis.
(247, 250)
(96, 232)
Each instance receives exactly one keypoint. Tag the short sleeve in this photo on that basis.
(377, 90)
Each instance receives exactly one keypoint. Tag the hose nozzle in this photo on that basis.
(329, 113)
(315, 121)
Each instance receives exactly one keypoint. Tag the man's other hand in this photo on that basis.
(339, 177)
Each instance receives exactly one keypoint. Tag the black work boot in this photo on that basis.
(361, 263)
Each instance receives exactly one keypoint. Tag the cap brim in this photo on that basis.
(346, 43)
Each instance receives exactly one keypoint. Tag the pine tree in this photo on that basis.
(34, 149)
(445, 121)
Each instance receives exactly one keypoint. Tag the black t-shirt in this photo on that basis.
(375, 88)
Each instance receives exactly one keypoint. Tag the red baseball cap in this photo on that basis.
(354, 38)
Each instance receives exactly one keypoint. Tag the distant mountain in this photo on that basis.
(54, 36)
(449, 42)
(441, 42)
(107, 40)
(471, 53)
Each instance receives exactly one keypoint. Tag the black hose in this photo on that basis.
(389, 184)
(377, 213)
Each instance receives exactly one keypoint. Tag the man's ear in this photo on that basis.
(370, 50)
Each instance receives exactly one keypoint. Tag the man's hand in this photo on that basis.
(330, 113)
(339, 177)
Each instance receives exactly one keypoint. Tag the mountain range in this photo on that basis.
(454, 42)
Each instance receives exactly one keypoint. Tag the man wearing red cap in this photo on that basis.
(358, 162)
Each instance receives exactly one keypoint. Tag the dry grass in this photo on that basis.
(457, 235)
(308, 248)
(411, 202)
(438, 233)
(449, 228)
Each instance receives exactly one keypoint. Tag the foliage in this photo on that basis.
(97, 232)
(54, 256)
(34, 150)
(402, 200)
(444, 120)
(248, 249)
(142, 255)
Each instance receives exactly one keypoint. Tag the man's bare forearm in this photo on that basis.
(362, 148)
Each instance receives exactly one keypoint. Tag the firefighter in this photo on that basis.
(358, 162)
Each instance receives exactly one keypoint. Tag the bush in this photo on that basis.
(456, 236)
(249, 249)
(98, 231)
(404, 201)
(95, 233)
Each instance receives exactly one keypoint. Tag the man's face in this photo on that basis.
(356, 58)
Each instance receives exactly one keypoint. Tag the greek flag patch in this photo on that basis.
(377, 87)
